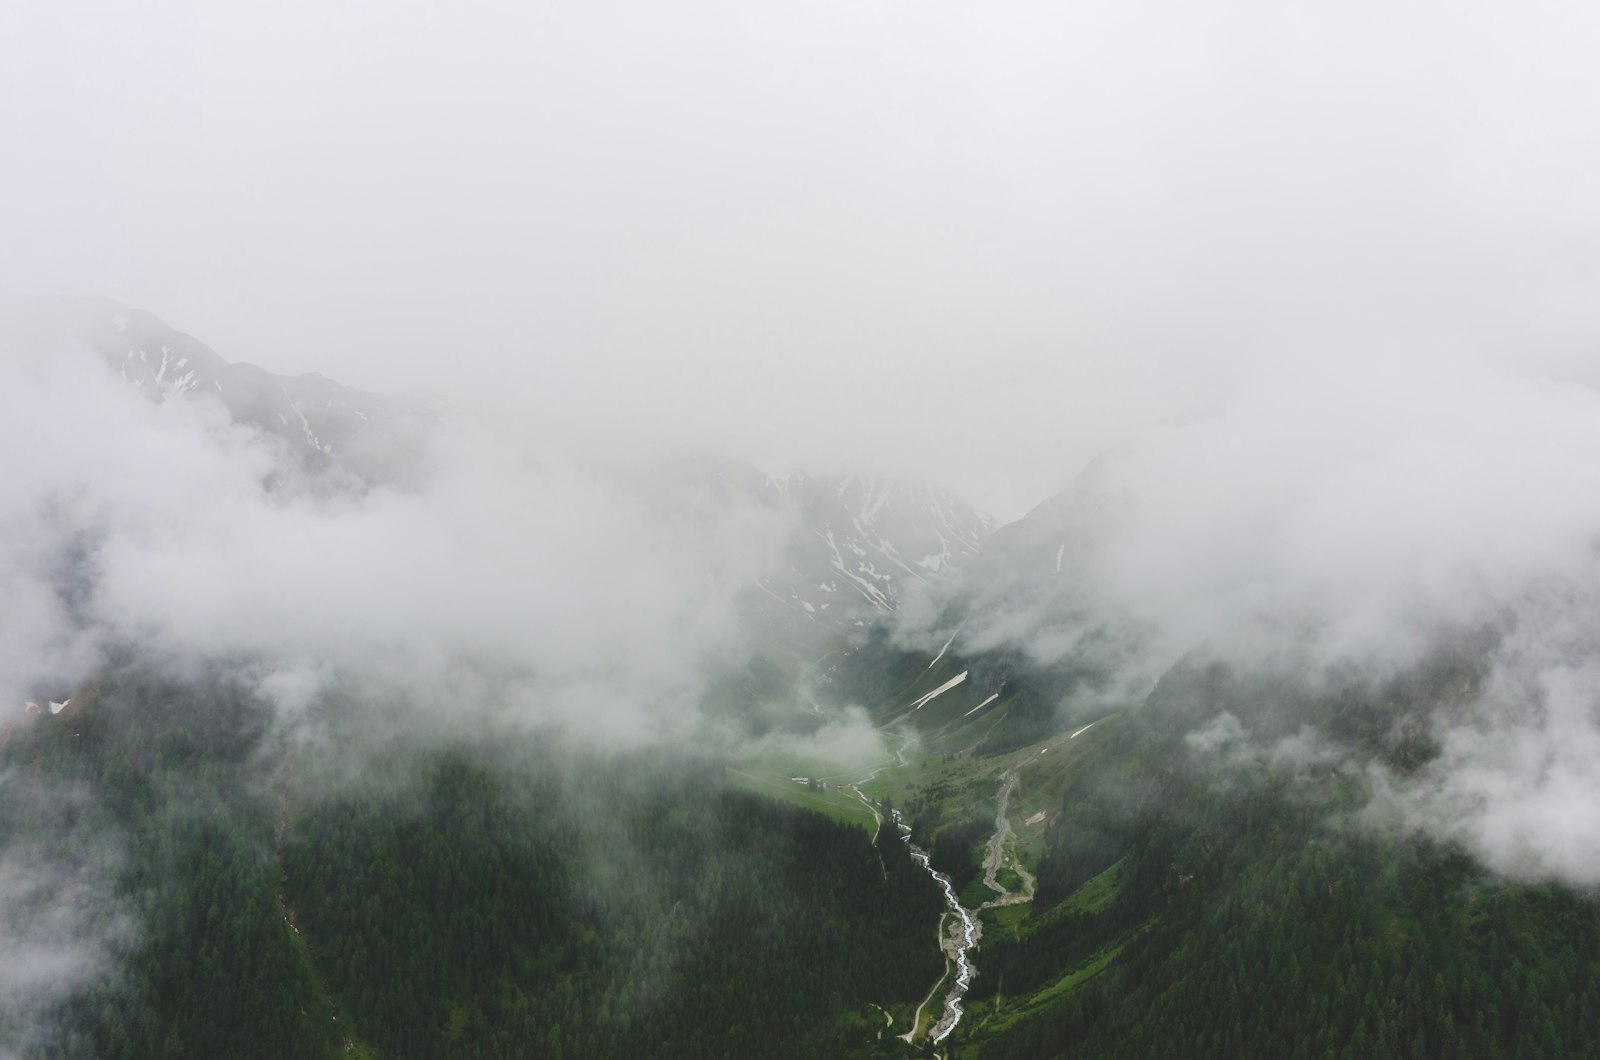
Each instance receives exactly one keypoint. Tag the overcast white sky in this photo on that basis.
(973, 242)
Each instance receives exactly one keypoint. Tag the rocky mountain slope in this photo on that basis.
(863, 540)
(323, 423)
(855, 545)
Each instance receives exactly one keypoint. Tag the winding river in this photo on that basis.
(958, 946)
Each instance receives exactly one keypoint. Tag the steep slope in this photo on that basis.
(862, 541)
(855, 546)
(1223, 865)
(851, 546)
(1057, 537)
(1209, 889)
(1214, 874)
(323, 423)
(391, 891)
(859, 539)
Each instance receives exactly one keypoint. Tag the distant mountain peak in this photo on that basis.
(864, 539)
(324, 422)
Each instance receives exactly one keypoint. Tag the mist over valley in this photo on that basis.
(859, 531)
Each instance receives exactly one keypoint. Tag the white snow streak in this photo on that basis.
(947, 686)
(992, 697)
(946, 647)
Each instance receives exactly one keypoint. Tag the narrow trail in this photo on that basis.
(877, 827)
(877, 816)
(909, 1037)
(888, 1020)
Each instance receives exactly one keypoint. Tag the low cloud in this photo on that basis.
(1345, 525)
(161, 524)
(1514, 781)
(59, 928)
(846, 743)
(506, 583)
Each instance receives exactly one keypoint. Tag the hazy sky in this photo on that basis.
(975, 242)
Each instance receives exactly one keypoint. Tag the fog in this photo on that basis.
(1368, 511)
(974, 245)
(58, 927)
(169, 527)
(527, 589)
(1317, 288)
(1342, 528)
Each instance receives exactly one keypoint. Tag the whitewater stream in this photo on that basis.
(959, 944)
(958, 948)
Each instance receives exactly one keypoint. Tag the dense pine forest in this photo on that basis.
(371, 891)
(442, 898)
(1192, 906)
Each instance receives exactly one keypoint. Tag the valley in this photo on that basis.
(1006, 879)
(1085, 869)
(831, 530)
(374, 758)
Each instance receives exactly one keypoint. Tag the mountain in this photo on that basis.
(863, 541)
(856, 545)
(1121, 850)
(1209, 862)
(1014, 631)
(322, 423)
(1059, 535)
(860, 539)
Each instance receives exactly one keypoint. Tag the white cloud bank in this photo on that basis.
(163, 525)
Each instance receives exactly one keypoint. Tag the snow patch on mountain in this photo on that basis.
(857, 534)
(312, 415)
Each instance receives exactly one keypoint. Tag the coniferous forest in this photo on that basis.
(826, 530)
(1254, 912)
(446, 898)
(460, 896)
